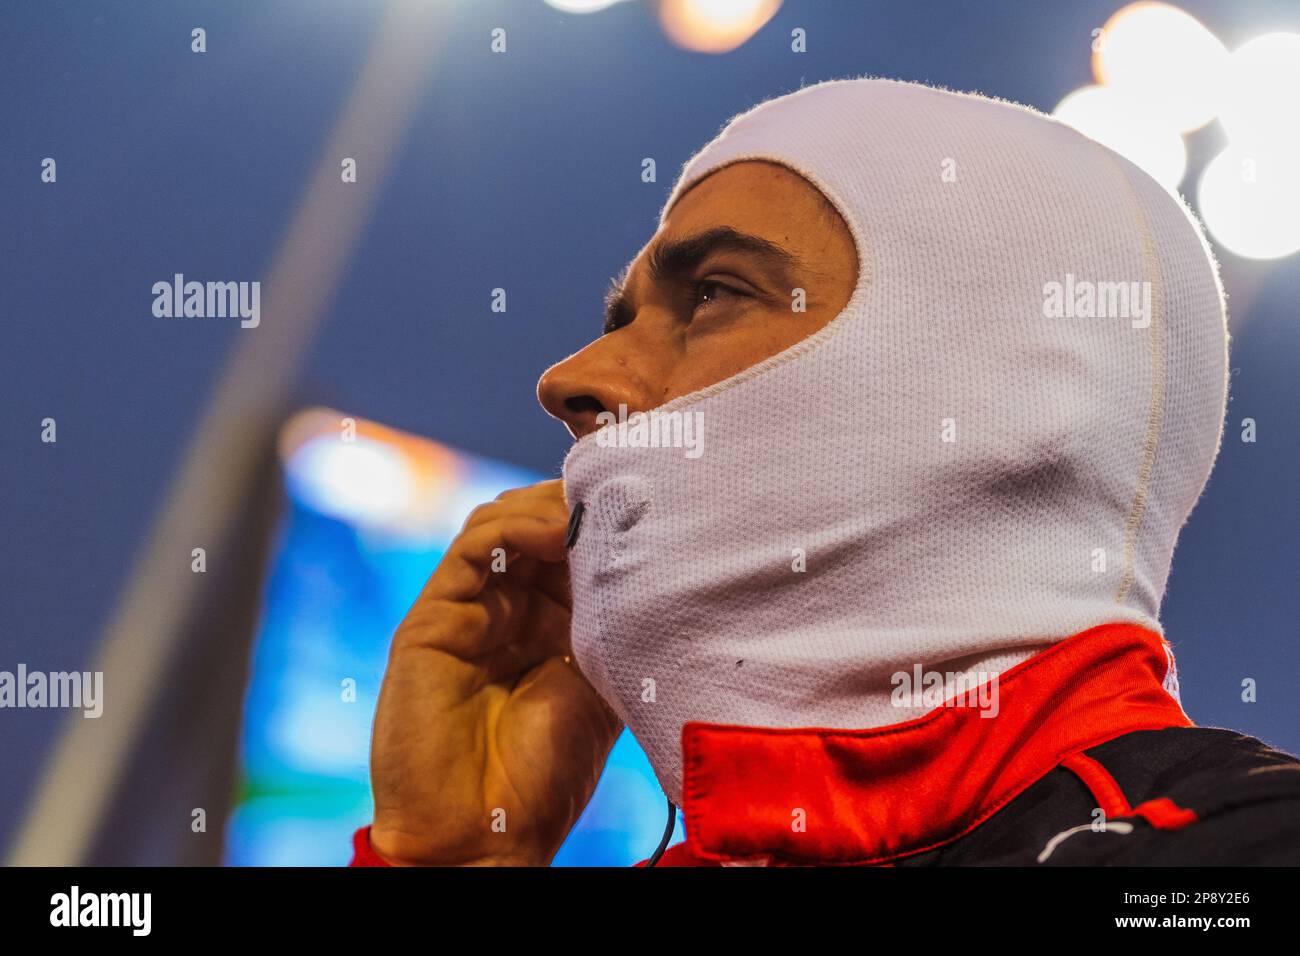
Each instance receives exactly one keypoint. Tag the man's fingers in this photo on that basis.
(488, 547)
(531, 500)
(552, 488)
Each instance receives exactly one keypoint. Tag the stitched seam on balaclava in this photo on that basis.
(1156, 347)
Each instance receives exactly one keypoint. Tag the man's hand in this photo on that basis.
(488, 741)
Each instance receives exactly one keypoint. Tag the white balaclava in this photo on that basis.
(992, 447)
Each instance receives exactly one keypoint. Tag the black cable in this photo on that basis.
(668, 834)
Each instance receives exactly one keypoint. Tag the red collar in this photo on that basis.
(871, 796)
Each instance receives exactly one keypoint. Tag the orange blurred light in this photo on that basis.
(714, 26)
(1164, 60)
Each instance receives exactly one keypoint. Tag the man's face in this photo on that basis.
(712, 293)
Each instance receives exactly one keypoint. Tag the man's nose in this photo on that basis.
(582, 386)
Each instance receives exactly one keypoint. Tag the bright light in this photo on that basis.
(1114, 120)
(363, 481)
(714, 26)
(1165, 60)
(1262, 103)
(1251, 203)
(581, 6)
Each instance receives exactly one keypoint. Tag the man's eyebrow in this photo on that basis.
(673, 258)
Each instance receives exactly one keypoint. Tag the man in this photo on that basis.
(954, 377)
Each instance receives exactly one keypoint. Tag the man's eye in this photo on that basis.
(708, 293)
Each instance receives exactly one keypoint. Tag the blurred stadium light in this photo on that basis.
(1251, 203)
(1165, 61)
(1163, 74)
(1261, 105)
(1250, 193)
(714, 26)
(582, 6)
